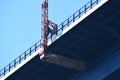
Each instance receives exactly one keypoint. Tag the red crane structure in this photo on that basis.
(47, 27)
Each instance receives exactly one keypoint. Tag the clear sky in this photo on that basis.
(20, 23)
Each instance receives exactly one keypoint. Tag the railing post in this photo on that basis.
(9, 67)
(68, 22)
(24, 55)
(35, 47)
(91, 4)
(85, 8)
(97, 1)
(62, 26)
(19, 59)
(73, 17)
(30, 51)
(79, 13)
(4, 71)
(14, 63)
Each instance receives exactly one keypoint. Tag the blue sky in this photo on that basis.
(20, 23)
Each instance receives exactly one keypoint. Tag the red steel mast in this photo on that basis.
(46, 29)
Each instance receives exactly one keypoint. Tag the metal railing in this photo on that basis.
(37, 45)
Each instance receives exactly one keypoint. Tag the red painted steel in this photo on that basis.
(46, 29)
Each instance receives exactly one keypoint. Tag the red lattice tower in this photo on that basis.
(46, 29)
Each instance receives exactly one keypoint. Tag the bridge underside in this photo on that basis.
(90, 41)
(114, 76)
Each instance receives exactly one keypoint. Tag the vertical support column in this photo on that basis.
(44, 28)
